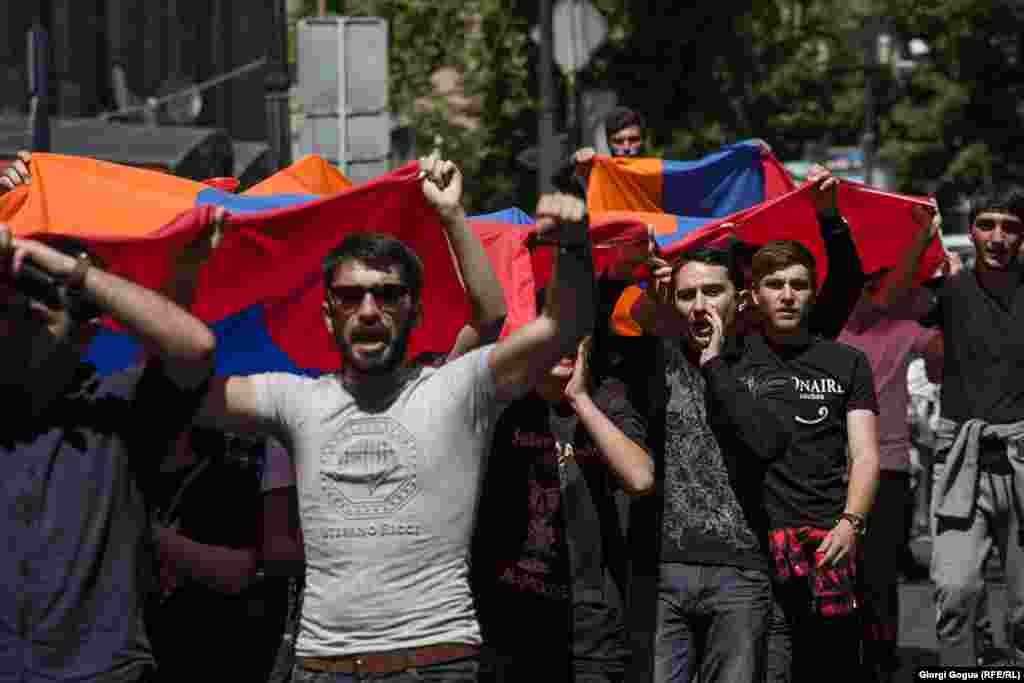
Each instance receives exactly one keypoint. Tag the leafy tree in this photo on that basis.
(957, 122)
(705, 74)
(488, 46)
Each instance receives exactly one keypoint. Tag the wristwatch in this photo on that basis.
(856, 521)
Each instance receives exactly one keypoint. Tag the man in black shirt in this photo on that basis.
(824, 393)
(979, 471)
(75, 531)
(714, 586)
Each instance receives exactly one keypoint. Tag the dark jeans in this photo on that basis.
(884, 550)
(712, 620)
(456, 671)
(536, 668)
(802, 643)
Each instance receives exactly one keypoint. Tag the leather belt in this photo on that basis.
(390, 662)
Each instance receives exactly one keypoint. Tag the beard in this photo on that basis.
(381, 363)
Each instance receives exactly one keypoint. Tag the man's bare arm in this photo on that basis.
(442, 187)
(183, 342)
(901, 280)
(486, 296)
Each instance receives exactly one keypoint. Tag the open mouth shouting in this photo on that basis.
(701, 328)
(370, 342)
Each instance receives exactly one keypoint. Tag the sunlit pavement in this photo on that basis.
(917, 616)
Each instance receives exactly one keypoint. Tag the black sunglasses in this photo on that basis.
(350, 297)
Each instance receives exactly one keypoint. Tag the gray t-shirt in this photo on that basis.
(387, 498)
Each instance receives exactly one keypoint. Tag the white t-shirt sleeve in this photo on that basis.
(471, 380)
(278, 471)
(274, 394)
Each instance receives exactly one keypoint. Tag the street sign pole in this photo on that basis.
(546, 86)
(39, 88)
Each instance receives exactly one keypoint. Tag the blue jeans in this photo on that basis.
(712, 620)
(456, 671)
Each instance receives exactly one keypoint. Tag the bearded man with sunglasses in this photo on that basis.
(389, 455)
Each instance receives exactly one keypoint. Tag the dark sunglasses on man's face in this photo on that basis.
(350, 297)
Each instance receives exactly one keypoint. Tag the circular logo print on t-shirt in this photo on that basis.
(368, 469)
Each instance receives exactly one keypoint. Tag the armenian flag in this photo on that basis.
(262, 289)
(743, 192)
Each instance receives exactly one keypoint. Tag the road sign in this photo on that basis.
(579, 31)
(343, 86)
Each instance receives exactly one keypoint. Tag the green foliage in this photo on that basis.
(706, 74)
(956, 123)
(490, 46)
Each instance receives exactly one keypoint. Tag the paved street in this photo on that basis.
(917, 620)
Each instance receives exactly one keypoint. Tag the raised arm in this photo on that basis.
(442, 186)
(521, 359)
(184, 344)
(629, 461)
(756, 425)
(842, 287)
(232, 405)
(902, 278)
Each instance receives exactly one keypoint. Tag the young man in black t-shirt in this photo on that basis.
(824, 393)
(978, 472)
(550, 544)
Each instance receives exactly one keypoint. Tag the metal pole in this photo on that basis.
(547, 151)
(276, 88)
(39, 86)
(870, 106)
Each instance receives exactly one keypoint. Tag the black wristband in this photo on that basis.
(567, 237)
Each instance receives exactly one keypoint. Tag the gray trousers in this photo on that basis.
(959, 552)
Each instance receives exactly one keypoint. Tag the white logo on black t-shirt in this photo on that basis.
(822, 414)
(368, 469)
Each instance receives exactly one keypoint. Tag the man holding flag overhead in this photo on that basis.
(979, 471)
(388, 456)
(76, 527)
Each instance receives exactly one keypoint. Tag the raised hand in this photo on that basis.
(441, 181)
(14, 251)
(17, 173)
(826, 189)
(714, 347)
(558, 211)
(929, 222)
(577, 385)
(197, 252)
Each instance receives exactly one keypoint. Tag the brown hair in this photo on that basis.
(779, 254)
